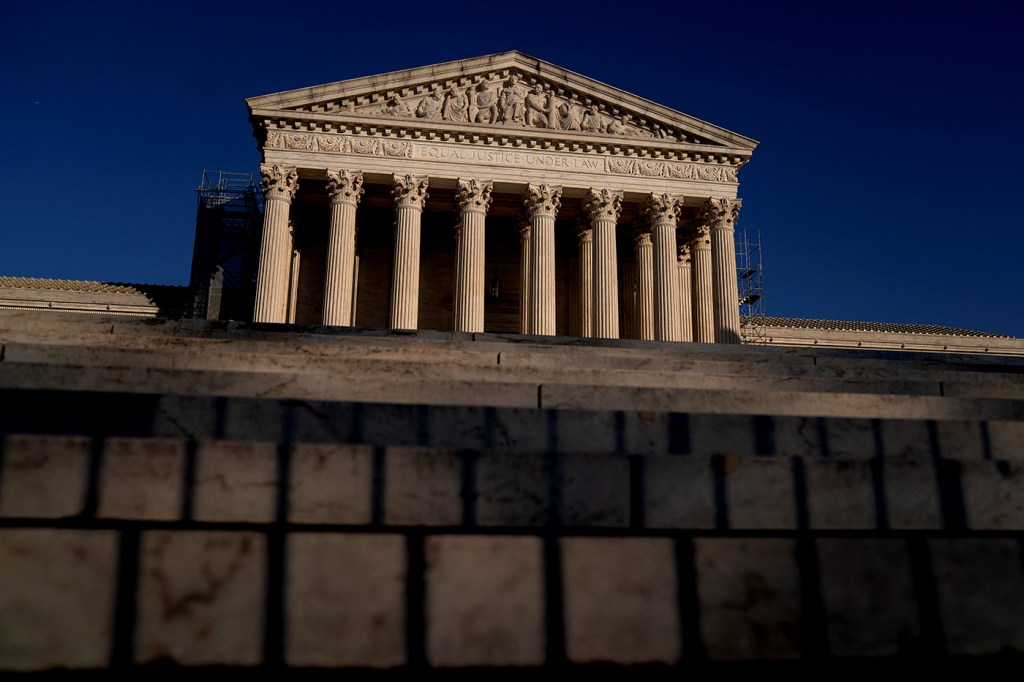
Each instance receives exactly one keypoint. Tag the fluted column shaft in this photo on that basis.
(585, 306)
(410, 193)
(627, 298)
(524, 277)
(474, 197)
(722, 214)
(644, 286)
(344, 188)
(603, 208)
(685, 297)
(542, 203)
(274, 274)
(663, 212)
(703, 303)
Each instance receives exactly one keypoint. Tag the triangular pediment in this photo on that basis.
(502, 93)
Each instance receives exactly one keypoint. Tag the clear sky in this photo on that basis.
(886, 186)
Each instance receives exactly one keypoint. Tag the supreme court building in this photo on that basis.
(496, 194)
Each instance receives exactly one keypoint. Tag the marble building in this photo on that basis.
(498, 194)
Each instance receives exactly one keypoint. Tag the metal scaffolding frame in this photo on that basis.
(750, 278)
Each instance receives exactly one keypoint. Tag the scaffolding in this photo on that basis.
(229, 221)
(750, 278)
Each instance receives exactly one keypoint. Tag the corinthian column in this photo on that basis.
(410, 193)
(273, 277)
(542, 202)
(603, 208)
(584, 308)
(524, 275)
(344, 188)
(663, 212)
(721, 216)
(644, 284)
(473, 197)
(685, 299)
(703, 308)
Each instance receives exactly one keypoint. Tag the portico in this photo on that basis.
(442, 198)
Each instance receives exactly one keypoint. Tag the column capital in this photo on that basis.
(683, 254)
(641, 234)
(409, 191)
(700, 238)
(584, 233)
(662, 208)
(344, 186)
(543, 200)
(473, 196)
(602, 204)
(719, 213)
(279, 182)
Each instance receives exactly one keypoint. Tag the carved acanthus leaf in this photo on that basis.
(409, 191)
(662, 209)
(602, 204)
(543, 200)
(473, 195)
(344, 186)
(721, 212)
(279, 181)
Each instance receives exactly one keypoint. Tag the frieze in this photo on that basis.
(372, 146)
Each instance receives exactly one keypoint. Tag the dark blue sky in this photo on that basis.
(885, 188)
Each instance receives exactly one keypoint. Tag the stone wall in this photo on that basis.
(151, 528)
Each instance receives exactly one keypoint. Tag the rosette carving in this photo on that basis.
(602, 204)
(473, 195)
(409, 191)
(543, 200)
(344, 186)
(279, 182)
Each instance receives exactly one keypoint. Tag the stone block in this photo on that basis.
(994, 495)
(595, 490)
(960, 439)
(759, 491)
(345, 600)
(849, 438)
(911, 494)
(1006, 439)
(142, 479)
(523, 429)
(185, 416)
(512, 489)
(869, 596)
(905, 438)
(457, 427)
(253, 419)
(201, 597)
(645, 433)
(586, 431)
(316, 421)
(485, 601)
(981, 594)
(44, 476)
(394, 424)
(57, 595)
(797, 436)
(840, 494)
(620, 600)
(236, 481)
(749, 593)
(330, 483)
(422, 487)
(722, 434)
(678, 492)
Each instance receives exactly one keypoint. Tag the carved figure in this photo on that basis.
(396, 107)
(486, 104)
(456, 106)
(593, 121)
(430, 106)
(570, 115)
(537, 108)
(510, 103)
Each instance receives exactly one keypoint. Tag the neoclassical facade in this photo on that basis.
(497, 194)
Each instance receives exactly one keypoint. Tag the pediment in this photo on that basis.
(505, 93)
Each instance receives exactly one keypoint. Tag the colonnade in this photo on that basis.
(685, 290)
